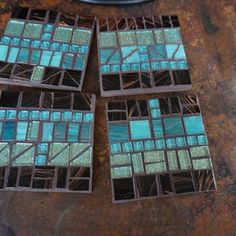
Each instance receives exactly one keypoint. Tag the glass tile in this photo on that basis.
(83, 49)
(56, 59)
(181, 141)
(159, 35)
(12, 56)
(68, 60)
(193, 124)
(153, 103)
(120, 159)
(48, 28)
(202, 151)
(21, 130)
(23, 115)
(42, 148)
(115, 148)
(127, 38)
(5, 40)
(34, 115)
(59, 154)
(77, 116)
(55, 116)
(173, 126)
(160, 144)
(130, 54)
(149, 145)
(63, 34)
(88, 117)
(154, 156)
(24, 55)
(5, 152)
(64, 47)
(25, 43)
(140, 129)
(47, 131)
(202, 164)
(202, 140)
(157, 52)
(26, 157)
(172, 35)
(85, 159)
(3, 54)
(192, 140)
(156, 113)
(127, 147)
(33, 30)
(145, 38)
(35, 56)
(157, 128)
(44, 115)
(85, 132)
(45, 45)
(11, 114)
(184, 160)
(118, 132)
(73, 132)
(153, 168)
(172, 160)
(40, 160)
(170, 143)
(110, 56)
(33, 131)
(80, 62)
(14, 28)
(121, 172)
(175, 51)
(81, 36)
(8, 130)
(138, 146)
(2, 114)
(54, 46)
(67, 116)
(137, 163)
(38, 73)
(60, 132)
(107, 39)
(46, 36)
(45, 58)
(35, 44)
(15, 41)
(74, 48)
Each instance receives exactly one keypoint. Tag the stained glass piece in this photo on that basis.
(154, 156)
(173, 126)
(84, 159)
(4, 154)
(38, 73)
(45, 58)
(40, 160)
(184, 160)
(63, 34)
(21, 130)
(172, 35)
(33, 30)
(81, 36)
(155, 168)
(118, 132)
(47, 131)
(137, 163)
(14, 28)
(145, 38)
(13, 53)
(8, 130)
(120, 159)
(157, 128)
(159, 35)
(193, 124)
(33, 131)
(107, 40)
(127, 38)
(172, 160)
(202, 164)
(140, 129)
(121, 172)
(3, 54)
(23, 56)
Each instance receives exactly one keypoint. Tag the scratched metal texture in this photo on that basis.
(209, 34)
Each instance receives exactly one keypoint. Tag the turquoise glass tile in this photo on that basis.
(46, 36)
(160, 144)
(83, 49)
(33, 30)
(172, 35)
(115, 148)
(175, 51)
(0, 128)
(165, 65)
(105, 68)
(115, 68)
(5, 40)
(135, 67)
(159, 36)
(137, 163)
(157, 128)
(54, 46)
(121, 159)
(77, 116)
(157, 52)
(127, 38)
(45, 45)
(107, 39)
(45, 58)
(143, 58)
(149, 145)
(25, 43)
(145, 38)
(74, 48)
(73, 132)
(85, 133)
(170, 143)
(142, 49)
(15, 41)
(138, 146)
(173, 126)
(88, 117)
(155, 113)
(14, 28)
(81, 36)
(21, 130)
(127, 147)
(13, 53)
(63, 34)
(202, 140)
(11, 114)
(125, 67)
(145, 66)
(33, 131)
(3, 54)
(34, 115)
(68, 60)
(130, 54)
(55, 116)
(35, 56)
(8, 130)
(42, 148)
(23, 115)
(153, 103)
(40, 160)
(192, 140)
(80, 62)
(48, 28)
(2, 114)
(118, 132)
(64, 47)
(194, 124)
(110, 56)
(140, 129)
(181, 142)
(47, 131)
(59, 132)
(182, 64)
(23, 56)
(44, 115)
(66, 115)
(35, 44)
(56, 59)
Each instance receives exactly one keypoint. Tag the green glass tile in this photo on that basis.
(47, 131)
(157, 128)
(137, 163)
(107, 39)
(3, 54)
(154, 156)
(35, 56)
(33, 130)
(68, 60)
(23, 115)
(172, 160)
(33, 30)
(56, 59)
(21, 130)
(202, 151)
(23, 56)
(14, 28)
(145, 38)
(81, 36)
(13, 53)
(85, 159)
(118, 132)
(172, 35)
(184, 160)
(173, 126)
(59, 154)
(4, 154)
(42, 148)
(202, 140)
(202, 164)
(140, 129)
(46, 58)
(63, 34)
(26, 158)
(159, 35)
(38, 74)
(78, 148)
(120, 159)
(153, 168)
(193, 124)
(121, 172)
(127, 38)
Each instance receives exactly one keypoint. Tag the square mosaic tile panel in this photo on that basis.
(158, 147)
(45, 49)
(141, 55)
(46, 141)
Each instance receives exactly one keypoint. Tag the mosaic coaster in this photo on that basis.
(45, 49)
(46, 141)
(141, 55)
(158, 147)
(111, 2)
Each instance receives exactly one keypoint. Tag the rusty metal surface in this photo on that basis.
(209, 34)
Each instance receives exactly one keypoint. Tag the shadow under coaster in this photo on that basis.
(46, 141)
(45, 49)
(158, 147)
(141, 55)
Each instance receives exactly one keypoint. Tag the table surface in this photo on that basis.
(209, 34)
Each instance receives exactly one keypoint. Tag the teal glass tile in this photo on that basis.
(181, 142)
(15, 41)
(130, 54)
(137, 163)
(107, 39)
(38, 73)
(73, 132)
(157, 128)
(138, 146)
(66, 115)
(81, 36)
(2, 114)
(59, 132)
(157, 52)
(45, 45)
(5, 40)
(115, 148)
(35, 56)
(88, 117)
(172, 160)
(3, 54)
(55, 116)
(14, 28)
(45, 58)
(153, 103)
(121, 172)
(118, 132)
(34, 115)
(48, 28)
(8, 130)
(68, 60)
(33, 131)
(40, 160)
(83, 49)
(12, 56)
(115, 68)
(127, 147)
(74, 48)
(140, 129)
(155, 156)
(175, 51)
(77, 116)
(42, 148)
(184, 159)
(202, 140)
(56, 59)
(44, 115)
(85, 133)
(109, 56)
(127, 38)
(135, 67)
(159, 36)
(155, 113)
(165, 65)
(125, 67)
(149, 145)
(21, 130)
(145, 38)
(80, 62)
(0, 128)
(142, 49)
(47, 130)
(33, 30)
(120, 159)
(23, 115)
(64, 47)
(54, 46)
(105, 68)
(193, 124)
(46, 36)
(63, 34)
(145, 66)
(11, 114)
(23, 56)
(182, 64)
(170, 143)
(35, 44)
(25, 43)
(192, 140)
(172, 35)
(173, 126)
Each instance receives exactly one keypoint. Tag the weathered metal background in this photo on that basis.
(209, 33)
